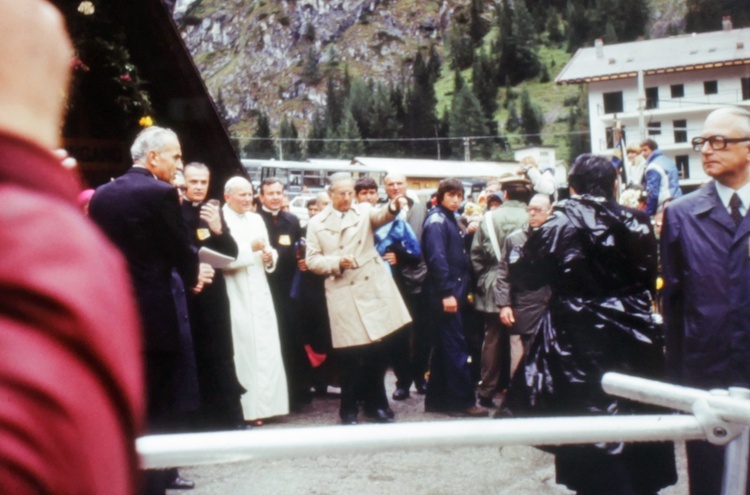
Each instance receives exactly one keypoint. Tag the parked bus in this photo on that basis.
(313, 176)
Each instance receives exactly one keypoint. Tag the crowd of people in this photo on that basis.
(233, 315)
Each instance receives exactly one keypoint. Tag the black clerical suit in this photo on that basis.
(212, 330)
(141, 216)
(283, 232)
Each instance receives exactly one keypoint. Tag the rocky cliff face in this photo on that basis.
(254, 53)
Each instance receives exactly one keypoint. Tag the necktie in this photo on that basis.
(734, 205)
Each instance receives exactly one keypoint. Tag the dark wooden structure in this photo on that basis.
(178, 95)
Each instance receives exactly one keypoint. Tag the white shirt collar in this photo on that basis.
(268, 210)
(725, 194)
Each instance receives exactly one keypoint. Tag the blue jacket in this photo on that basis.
(444, 252)
(653, 180)
(706, 266)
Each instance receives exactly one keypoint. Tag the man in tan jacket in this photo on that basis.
(364, 304)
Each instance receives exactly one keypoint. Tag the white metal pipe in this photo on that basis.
(736, 455)
(160, 451)
(731, 409)
(641, 105)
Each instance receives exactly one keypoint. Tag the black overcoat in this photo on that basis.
(141, 216)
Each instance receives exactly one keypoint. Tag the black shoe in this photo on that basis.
(349, 418)
(421, 388)
(486, 402)
(401, 394)
(243, 426)
(381, 415)
(181, 484)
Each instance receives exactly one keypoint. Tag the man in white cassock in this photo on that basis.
(257, 352)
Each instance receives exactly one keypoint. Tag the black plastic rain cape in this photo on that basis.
(600, 261)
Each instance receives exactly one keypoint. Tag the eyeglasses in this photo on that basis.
(717, 143)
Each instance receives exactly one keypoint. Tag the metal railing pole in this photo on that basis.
(736, 455)
(732, 409)
(160, 451)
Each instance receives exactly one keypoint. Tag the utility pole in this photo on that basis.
(437, 139)
(641, 106)
(467, 149)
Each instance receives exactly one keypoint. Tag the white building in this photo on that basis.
(662, 89)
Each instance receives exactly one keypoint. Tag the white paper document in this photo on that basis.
(214, 258)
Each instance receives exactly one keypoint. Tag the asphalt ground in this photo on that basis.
(438, 471)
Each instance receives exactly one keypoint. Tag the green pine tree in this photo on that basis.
(420, 120)
(359, 101)
(315, 137)
(349, 131)
(461, 47)
(334, 104)
(289, 141)
(261, 144)
(483, 84)
(383, 123)
(311, 69)
(513, 123)
(478, 27)
(466, 116)
(531, 120)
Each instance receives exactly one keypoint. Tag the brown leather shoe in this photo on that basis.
(475, 412)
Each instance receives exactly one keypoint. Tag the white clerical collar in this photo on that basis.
(268, 210)
(196, 203)
(725, 194)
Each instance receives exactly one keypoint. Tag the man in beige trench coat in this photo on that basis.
(364, 304)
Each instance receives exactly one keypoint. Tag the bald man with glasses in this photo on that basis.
(706, 268)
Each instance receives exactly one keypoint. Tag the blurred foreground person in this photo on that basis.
(599, 259)
(364, 305)
(70, 373)
(707, 278)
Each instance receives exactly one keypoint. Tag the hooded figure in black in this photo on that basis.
(600, 260)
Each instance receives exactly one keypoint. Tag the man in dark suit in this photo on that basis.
(707, 278)
(140, 213)
(283, 232)
(209, 310)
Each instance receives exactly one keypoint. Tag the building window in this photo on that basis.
(683, 166)
(652, 98)
(680, 131)
(654, 128)
(746, 88)
(677, 90)
(613, 102)
(710, 87)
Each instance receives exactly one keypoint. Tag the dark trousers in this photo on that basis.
(705, 467)
(161, 415)
(296, 363)
(362, 377)
(220, 394)
(451, 387)
(410, 347)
